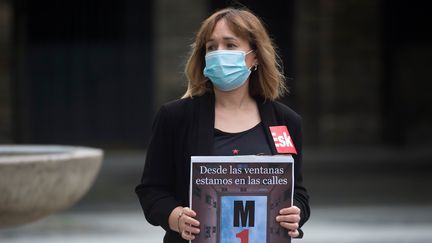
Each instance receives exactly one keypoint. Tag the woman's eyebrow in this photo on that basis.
(226, 38)
(229, 38)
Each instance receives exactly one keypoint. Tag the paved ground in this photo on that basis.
(360, 195)
(366, 224)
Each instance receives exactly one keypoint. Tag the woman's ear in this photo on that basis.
(255, 57)
(255, 65)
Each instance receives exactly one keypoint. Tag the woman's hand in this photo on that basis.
(182, 220)
(289, 218)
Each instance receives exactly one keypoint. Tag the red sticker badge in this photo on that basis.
(282, 140)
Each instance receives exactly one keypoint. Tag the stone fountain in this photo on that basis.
(38, 180)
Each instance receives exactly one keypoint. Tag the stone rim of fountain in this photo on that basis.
(38, 180)
(30, 153)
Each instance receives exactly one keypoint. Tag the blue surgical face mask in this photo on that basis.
(226, 69)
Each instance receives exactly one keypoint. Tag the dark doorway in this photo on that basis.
(405, 89)
(83, 72)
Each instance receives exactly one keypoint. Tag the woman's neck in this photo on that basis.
(233, 100)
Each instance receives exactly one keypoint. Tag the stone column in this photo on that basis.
(338, 66)
(176, 25)
(5, 65)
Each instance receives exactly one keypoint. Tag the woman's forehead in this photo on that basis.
(223, 31)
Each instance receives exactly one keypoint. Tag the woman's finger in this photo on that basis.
(187, 235)
(189, 212)
(191, 221)
(292, 218)
(290, 210)
(191, 229)
(290, 226)
(293, 233)
(188, 225)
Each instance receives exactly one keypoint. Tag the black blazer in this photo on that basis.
(184, 128)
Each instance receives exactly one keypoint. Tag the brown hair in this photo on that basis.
(267, 81)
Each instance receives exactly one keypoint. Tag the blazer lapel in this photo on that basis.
(268, 119)
(205, 124)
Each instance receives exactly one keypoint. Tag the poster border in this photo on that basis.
(242, 159)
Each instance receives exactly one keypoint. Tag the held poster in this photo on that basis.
(237, 198)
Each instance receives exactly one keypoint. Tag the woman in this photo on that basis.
(233, 79)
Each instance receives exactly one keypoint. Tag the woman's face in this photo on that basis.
(223, 38)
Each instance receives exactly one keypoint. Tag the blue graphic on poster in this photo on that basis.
(251, 215)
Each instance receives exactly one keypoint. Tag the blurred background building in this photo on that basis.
(94, 73)
(357, 69)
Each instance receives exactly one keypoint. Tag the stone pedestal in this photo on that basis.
(36, 180)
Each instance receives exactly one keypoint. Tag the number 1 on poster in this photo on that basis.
(243, 235)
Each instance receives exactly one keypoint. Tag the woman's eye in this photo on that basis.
(231, 46)
(210, 48)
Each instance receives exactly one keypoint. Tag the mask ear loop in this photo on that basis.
(255, 66)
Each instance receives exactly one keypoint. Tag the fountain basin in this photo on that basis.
(38, 180)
